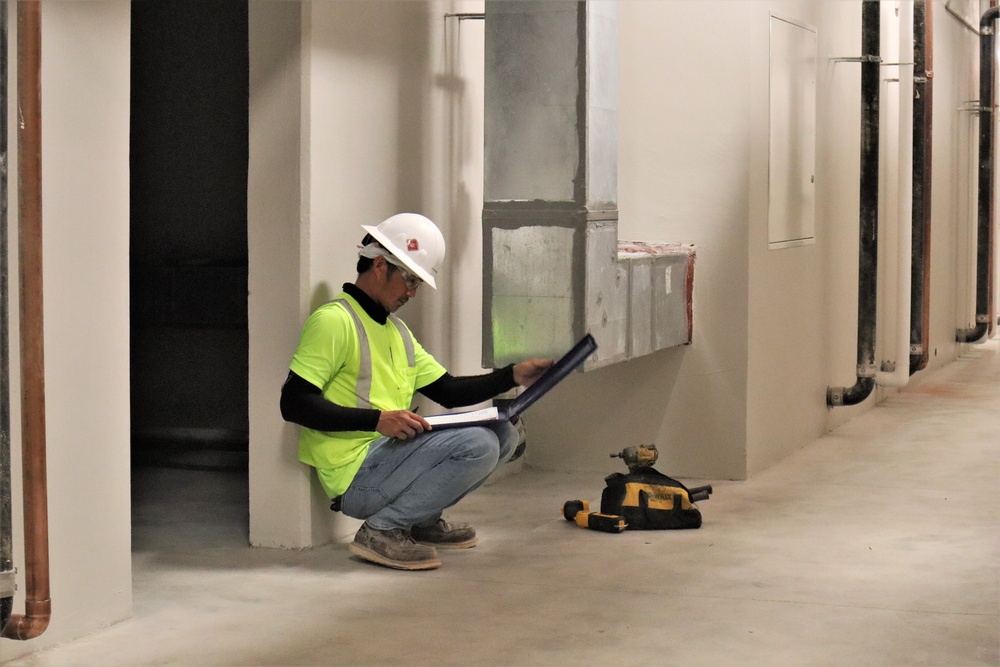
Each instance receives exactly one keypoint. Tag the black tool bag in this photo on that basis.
(649, 500)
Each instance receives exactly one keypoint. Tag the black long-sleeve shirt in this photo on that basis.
(303, 403)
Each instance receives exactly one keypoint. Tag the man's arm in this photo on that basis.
(454, 392)
(303, 403)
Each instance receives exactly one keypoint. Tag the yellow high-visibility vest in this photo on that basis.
(357, 362)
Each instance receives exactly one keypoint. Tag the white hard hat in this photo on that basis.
(414, 240)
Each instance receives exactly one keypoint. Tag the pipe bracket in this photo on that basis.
(971, 106)
(866, 370)
(870, 58)
(7, 584)
(835, 396)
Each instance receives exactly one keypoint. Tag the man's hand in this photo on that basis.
(401, 424)
(526, 372)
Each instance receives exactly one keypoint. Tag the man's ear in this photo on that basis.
(381, 266)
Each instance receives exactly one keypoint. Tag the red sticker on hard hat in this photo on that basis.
(412, 245)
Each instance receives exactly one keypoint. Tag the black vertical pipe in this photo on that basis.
(985, 199)
(6, 523)
(868, 223)
(920, 259)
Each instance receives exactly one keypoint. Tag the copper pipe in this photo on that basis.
(7, 578)
(37, 605)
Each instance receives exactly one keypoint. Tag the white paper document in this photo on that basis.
(474, 416)
(553, 376)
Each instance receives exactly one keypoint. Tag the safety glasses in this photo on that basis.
(412, 280)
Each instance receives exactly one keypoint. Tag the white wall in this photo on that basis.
(280, 507)
(85, 176)
(359, 110)
(395, 124)
(953, 203)
(955, 83)
(804, 300)
(772, 329)
(684, 158)
(392, 109)
(787, 331)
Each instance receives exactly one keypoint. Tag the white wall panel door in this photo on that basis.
(792, 152)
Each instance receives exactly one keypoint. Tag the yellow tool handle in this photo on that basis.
(606, 523)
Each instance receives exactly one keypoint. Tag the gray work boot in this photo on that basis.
(444, 535)
(393, 548)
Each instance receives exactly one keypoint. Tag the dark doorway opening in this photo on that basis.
(188, 249)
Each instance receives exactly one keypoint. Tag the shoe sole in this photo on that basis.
(378, 558)
(468, 544)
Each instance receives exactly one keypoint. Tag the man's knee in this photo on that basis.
(483, 443)
(488, 445)
(507, 438)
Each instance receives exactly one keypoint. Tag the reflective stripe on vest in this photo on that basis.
(404, 333)
(363, 388)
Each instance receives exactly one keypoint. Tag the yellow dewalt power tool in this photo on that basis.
(579, 511)
(641, 456)
(644, 499)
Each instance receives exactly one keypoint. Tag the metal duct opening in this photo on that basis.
(868, 238)
(554, 268)
(984, 236)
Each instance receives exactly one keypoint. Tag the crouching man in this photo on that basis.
(350, 386)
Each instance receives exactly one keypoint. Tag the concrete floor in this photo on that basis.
(878, 544)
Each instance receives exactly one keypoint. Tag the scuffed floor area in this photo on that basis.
(878, 544)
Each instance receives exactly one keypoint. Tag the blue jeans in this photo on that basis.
(406, 483)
